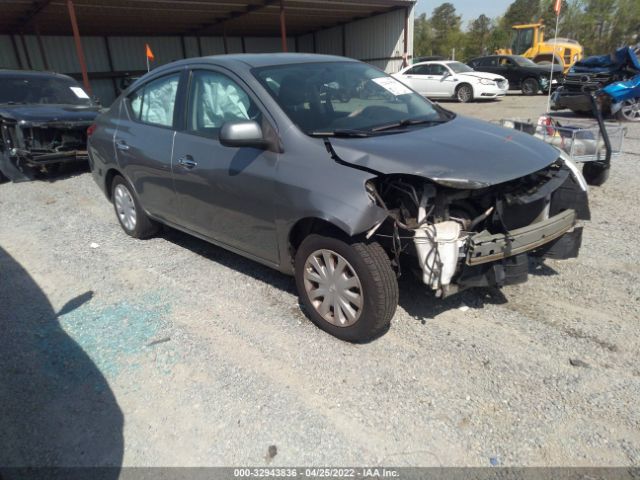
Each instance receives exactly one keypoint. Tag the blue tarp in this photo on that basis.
(624, 58)
(621, 91)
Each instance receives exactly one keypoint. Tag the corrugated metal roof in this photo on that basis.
(187, 17)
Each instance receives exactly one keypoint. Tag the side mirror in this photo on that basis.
(446, 74)
(242, 134)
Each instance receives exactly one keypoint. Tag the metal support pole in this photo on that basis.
(344, 40)
(41, 47)
(405, 56)
(199, 46)
(283, 27)
(107, 48)
(79, 51)
(224, 40)
(26, 51)
(16, 52)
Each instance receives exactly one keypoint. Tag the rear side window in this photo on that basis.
(489, 62)
(154, 103)
(418, 70)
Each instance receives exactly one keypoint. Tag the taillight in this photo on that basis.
(92, 128)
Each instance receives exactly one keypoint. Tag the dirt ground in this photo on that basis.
(173, 352)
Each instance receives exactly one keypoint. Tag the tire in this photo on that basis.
(595, 173)
(630, 111)
(375, 282)
(530, 86)
(126, 202)
(3, 178)
(464, 93)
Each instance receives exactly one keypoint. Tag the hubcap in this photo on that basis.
(125, 207)
(631, 109)
(333, 288)
(464, 94)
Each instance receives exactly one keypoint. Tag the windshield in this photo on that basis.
(458, 67)
(42, 90)
(523, 61)
(342, 97)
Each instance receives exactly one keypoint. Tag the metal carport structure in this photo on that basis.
(102, 41)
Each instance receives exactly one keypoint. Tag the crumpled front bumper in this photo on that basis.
(485, 247)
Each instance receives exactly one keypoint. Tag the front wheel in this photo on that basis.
(347, 289)
(464, 93)
(530, 86)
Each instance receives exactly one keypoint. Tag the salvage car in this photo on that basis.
(522, 73)
(253, 153)
(614, 79)
(450, 79)
(44, 117)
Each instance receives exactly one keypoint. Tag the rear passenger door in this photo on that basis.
(144, 141)
(225, 193)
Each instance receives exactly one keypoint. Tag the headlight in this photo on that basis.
(460, 183)
(486, 81)
(577, 174)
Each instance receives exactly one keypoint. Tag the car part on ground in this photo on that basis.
(44, 119)
(614, 78)
(344, 193)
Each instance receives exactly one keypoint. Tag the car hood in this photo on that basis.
(489, 76)
(49, 113)
(462, 149)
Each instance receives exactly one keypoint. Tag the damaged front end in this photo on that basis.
(463, 234)
(29, 148)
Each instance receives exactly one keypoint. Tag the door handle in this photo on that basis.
(187, 162)
(122, 145)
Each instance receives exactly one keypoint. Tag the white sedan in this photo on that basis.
(451, 79)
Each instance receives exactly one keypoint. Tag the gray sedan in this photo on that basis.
(330, 170)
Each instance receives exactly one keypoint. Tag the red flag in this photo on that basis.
(557, 7)
(149, 52)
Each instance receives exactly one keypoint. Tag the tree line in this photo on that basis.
(600, 26)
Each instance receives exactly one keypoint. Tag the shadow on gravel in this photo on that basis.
(415, 298)
(422, 304)
(56, 407)
(230, 260)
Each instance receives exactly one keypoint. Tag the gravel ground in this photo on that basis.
(174, 352)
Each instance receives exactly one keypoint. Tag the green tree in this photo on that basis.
(422, 37)
(521, 11)
(477, 37)
(445, 25)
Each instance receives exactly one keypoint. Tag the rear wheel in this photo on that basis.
(347, 289)
(630, 110)
(464, 93)
(530, 86)
(133, 220)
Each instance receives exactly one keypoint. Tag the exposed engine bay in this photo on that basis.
(31, 148)
(480, 235)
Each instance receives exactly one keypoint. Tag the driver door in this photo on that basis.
(224, 193)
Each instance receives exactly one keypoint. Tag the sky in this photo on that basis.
(469, 9)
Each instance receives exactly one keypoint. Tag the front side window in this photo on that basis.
(337, 96)
(437, 69)
(154, 103)
(215, 99)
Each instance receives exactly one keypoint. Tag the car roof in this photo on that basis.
(256, 60)
(31, 74)
(430, 62)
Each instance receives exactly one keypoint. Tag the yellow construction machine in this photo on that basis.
(528, 41)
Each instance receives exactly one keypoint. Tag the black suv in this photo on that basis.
(521, 72)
